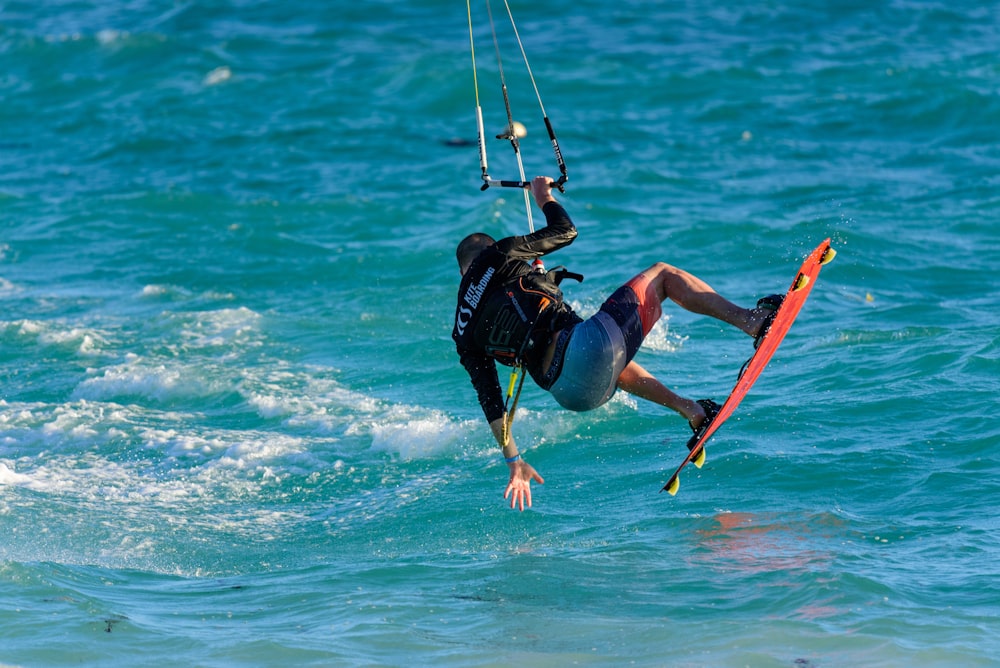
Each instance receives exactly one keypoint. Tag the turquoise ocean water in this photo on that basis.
(233, 429)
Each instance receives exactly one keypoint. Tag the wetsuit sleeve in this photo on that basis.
(483, 372)
(559, 231)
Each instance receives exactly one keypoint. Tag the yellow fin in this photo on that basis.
(699, 461)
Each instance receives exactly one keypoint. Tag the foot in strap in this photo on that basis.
(770, 304)
(711, 410)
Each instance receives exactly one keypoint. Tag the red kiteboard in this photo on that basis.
(783, 319)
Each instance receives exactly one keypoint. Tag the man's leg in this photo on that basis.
(693, 294)
(636, 380)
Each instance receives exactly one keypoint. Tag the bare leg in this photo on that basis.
(636, 380)
(695, 295)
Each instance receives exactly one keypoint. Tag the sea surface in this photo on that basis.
(233, 426)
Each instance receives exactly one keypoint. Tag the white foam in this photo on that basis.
(419, 437)
(217, 76)
(75, 449)
(259, 448)
(269, 406)
(224, 334)
(155, 290)
(86, 342)
(661, 339)
(44, 478)
(109, 36)
(136, 377)
(306, 400)
(100, 450)
(9, 477)
(180, 445)
(43, 427)
(28, 327)
(221, 327)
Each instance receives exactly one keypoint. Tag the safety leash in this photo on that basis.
(508, 407)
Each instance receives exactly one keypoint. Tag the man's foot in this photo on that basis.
(711, 410)
(769, 305)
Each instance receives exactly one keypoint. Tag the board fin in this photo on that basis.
(699, 459)
(673, 486)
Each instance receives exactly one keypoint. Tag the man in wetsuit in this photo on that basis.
(510, 313)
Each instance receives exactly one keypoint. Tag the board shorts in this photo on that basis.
(597, 350)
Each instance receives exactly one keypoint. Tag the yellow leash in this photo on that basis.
(508, 414)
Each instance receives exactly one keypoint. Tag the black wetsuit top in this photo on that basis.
(500, 281)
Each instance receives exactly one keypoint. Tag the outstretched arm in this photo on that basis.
(521, 472)
(483, 373)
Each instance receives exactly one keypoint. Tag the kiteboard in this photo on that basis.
(784, 317)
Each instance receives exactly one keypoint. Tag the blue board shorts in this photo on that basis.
(599, 348)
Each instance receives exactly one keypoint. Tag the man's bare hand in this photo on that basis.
(519, 486)
(541, 188)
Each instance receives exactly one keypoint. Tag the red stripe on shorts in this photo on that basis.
(649, 302)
